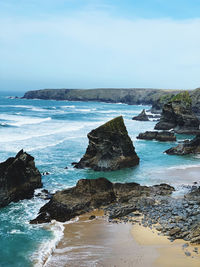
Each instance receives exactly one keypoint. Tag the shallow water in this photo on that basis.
(55, 133)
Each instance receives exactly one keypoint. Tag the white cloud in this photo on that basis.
(92, 49)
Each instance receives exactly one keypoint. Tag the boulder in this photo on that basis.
(159, 136)
(89, 194)
(110, 148)
(141, 117)
(18, 178)
(177, 114)
(187, 147)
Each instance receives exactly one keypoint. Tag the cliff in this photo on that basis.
(111, 95)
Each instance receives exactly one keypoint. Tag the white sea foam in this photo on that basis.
(70, 106)
(16, 231)
(184, 167)
(15, 120)
(42, 256)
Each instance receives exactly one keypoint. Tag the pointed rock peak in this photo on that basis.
(110, 148)
(19, 153)
(114, 125)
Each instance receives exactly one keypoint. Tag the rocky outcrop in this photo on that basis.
(89, 194)
(18, 178)
(177, 114)
(152, 206)
(159, 136)
(187, 147)
(141, 117)
(110, 148)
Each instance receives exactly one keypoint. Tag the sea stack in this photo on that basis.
(18, 178)
(110, 148)
(141, 117)
(177, 114)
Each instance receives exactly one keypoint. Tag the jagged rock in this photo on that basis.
(159, 136)
(141, 117)
(89, 194)
(188, 147)
(177, 114)
(18, 178)
(195, 234)
(110, 148)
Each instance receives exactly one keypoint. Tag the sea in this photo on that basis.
(55, 133)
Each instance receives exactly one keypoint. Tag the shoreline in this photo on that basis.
(125, 233)
(101, 243)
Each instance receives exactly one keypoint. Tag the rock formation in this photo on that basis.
(152, 206)
(110, 148)
(141, 117)
(18, 178)
(177, 114)
(89, 194)
(159, 136)
(187, 147)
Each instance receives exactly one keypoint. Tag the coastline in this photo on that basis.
(100, 243)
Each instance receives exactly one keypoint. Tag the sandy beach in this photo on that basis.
(100, 243)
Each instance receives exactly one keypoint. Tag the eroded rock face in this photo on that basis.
(188, 147)
(89, 194)
(141, 117)
(110, 148)
(18, 178)
(159, 136)
(177, 114)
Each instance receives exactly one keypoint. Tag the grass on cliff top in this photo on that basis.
(114, 125)
(182, 97)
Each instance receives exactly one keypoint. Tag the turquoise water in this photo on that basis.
(55, 133)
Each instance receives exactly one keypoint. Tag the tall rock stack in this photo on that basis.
(110, 148)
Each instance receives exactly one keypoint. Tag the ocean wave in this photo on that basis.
(69, 106)
(17, 121)
(43, 255)
(184, 167)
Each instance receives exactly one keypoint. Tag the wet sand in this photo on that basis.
(100, 243)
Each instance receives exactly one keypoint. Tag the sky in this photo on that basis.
(99, 44)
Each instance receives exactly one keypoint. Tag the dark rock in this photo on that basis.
(18, 178)
(188, 147)
(177, 114)
(92, 217)
(141, 117)
(159, 136)
(89, 194)
(110, 148)
(44, 194)
(86, 195)
(66, 168)
(187, 253)
(121, 211)
(45, 173)
(74, 163)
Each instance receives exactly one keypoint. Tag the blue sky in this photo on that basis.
(90, 44)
